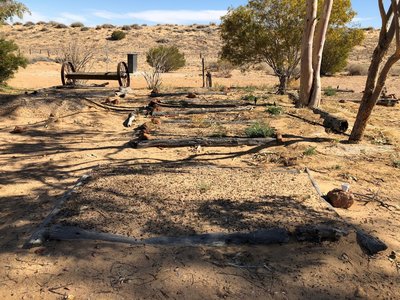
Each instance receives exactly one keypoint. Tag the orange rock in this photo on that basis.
(156, 121)
(18, 129)
(340, 199)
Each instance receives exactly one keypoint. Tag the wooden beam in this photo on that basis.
(204, 142)
(93, 76)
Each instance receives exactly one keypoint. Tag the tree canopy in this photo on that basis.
(271, 31)
(11, 8)
(265, 31)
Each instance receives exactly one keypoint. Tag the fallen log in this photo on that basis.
(199, 111)
(204, 142)
(387, 102)
(260, 237)
(370, 244)
(318, 233)
(335, 123)
(159, 95)
(184, 104)
(338, 90)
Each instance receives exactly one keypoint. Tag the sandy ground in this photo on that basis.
(67, 136)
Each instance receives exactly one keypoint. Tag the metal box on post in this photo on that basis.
(132, 62)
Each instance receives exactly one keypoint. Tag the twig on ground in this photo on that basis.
(374, 198)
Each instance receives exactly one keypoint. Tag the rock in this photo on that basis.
(191, 95)
(18, 129)
(156, 121)
(369, 244)
(340, 199)
(360, 293)
(131, 118)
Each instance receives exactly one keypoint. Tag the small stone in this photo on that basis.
(360, 293)
(191, 95)
(340, 199)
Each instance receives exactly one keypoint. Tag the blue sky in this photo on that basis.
(120, 12)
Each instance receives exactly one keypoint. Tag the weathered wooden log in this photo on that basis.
(369, 244)
(335, 123)
(387, 102)
(93, 76)
(204, 142)
(339, 90)
(318, 233)
(158, 95)
(200, 111)
(184, 104)
(259, 237)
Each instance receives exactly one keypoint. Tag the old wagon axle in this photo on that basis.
(69, 76)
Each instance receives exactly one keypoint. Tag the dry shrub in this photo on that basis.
(80, 55)
(29, 24)
(222, 68)
(60, 26)
(107, 26)
(357, 70)
(77, 24)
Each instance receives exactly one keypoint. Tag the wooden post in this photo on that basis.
(209, 80)
(203, 68)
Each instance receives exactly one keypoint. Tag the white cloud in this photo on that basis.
(109, 15)
(64, 17)
(166, 16)
(33, 17)
(362, 19)
(73, 17)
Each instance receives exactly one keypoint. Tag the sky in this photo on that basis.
(124, 12)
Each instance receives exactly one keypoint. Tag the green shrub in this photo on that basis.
(274, 110)
(85, 29)
(250, 98)
(17, 24)
(310, 151)
(126, 27)
(10, 61)
(396, 163)
(41, 23)
(330, 91)
(165, 58)
(118, 35)
(77, 24)
(259, 129)
(339, 43)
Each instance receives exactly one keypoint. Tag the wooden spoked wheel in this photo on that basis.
(67, 68)
(123, 75)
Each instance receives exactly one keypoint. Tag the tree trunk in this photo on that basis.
(319, 43)
(376, 78)
(306, 78)
(283, 80)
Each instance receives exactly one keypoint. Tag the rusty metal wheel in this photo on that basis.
(67, 68)
(124, 78)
